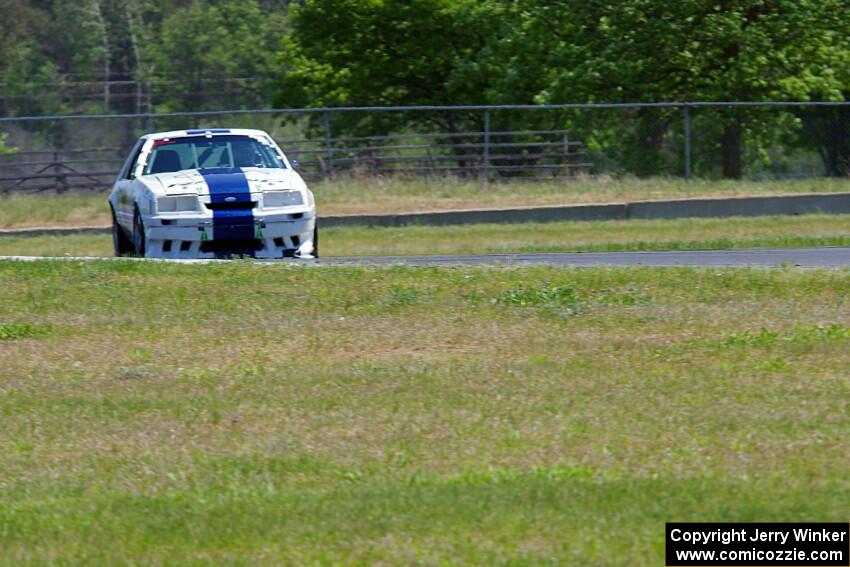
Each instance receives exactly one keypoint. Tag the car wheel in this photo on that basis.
(138, 235)
(316, 241)
(120, 243)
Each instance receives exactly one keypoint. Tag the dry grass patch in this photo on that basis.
(370, 195)
(267, 414)
(679, 234)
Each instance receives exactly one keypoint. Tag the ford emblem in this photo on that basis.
(229, 199)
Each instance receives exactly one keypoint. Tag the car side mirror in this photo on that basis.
(293, 163)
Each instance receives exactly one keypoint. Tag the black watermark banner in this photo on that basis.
(757, 544)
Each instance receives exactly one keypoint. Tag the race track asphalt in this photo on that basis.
(802, 257)
(829, 257)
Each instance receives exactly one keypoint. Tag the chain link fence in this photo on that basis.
(124, 94)
(492, 143)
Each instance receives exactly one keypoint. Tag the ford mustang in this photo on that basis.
(211, 194)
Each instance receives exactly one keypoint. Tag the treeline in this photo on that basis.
(231, 53)
(341, 52)
(60, 56)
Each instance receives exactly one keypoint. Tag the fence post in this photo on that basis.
(61, 180)
(326, 119)
(138, 86)
(687, 142)
(486, 149)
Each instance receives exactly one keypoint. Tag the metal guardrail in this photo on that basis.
(722, 207)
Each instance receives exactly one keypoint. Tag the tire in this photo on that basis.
(138, 235)
(316, 241)
(120, 243)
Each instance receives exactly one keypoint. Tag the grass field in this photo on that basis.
(249, 414)
(384, 195)
(679, 234)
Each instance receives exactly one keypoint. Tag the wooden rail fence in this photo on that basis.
(491, 156)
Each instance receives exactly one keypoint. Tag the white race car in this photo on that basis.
(211, 194)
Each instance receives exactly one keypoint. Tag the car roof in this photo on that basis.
(204, 132)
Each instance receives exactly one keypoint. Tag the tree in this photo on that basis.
(711, 50)
(28, 71)
(827, 130)
(205, 45)
(4, 149)
(388, 52)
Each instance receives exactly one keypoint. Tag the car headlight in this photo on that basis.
(282, 198)
(178, 204)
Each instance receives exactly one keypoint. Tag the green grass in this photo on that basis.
(358, 195)
(370, 195)
(17, 331)
(595, 236)
(22, 210)
(263, 414)
(72, 245)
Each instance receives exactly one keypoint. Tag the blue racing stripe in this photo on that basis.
(230, 186)
(212, 131)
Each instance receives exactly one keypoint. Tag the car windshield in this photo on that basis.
(202, 152)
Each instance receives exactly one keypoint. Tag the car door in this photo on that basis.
(124, 188)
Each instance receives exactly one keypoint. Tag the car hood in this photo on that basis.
(195, 181)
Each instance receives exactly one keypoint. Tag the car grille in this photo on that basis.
(237, 206)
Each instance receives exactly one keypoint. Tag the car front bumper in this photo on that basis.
(266, 236)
